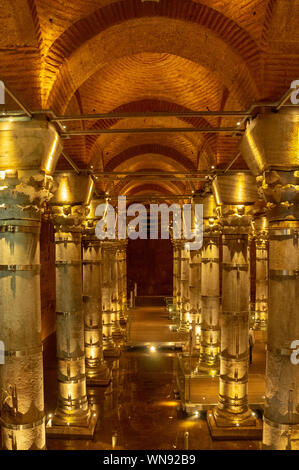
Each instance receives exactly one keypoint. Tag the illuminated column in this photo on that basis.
(176, 274)
(195, 286)
(231, 195)
(185, 319)
(210, 289)
(125, 288)
(270, 147)
(260, 230)
(122, 260)
(33, 146)
(109, 346)
(115, 281)
(69, 208)
(97, 372)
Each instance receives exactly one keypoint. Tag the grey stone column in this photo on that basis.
(97, 372)
(33, 146)
(115, 283)
(185, 318)
(232, 412)
(210, 324)
(176, 274)
(195, 286)
(111, 349)
(261, 234)
(69, 209)
(270, 148)
(122, 260)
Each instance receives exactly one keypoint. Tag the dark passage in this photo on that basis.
(150, 266)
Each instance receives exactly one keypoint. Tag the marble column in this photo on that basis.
(210, 289)
(111, 349)
(260, 233)
(232, 412)
(122, 262)
(97, 372)
(34, 146)
(69, 209)
(195, 298)
(115, 283)
(185, 318)
(270, 148)
(176, 275)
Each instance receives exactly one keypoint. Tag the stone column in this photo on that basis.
(122, 260)
(69, 209)
(185, 319)
(210, 289)
(270, 147)
(176, 274)
(97, 372)
(195, 297)
(33, 146)
(109, 346)
(178, 246)
(115, 282)
(232, 417)
(260, 233)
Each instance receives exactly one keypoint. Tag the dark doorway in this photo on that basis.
(149, 264)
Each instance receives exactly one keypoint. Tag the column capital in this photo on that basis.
(28, 154)
(70, 201)
(236, 198)
(260, 230)
(280, 188)
(24, 193)
(235, 218)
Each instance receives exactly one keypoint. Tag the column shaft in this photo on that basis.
(281, 416)
(185, 319)
(21, 377)
(72, 406)
(210, 327)
(233, 391)
(262, 288)
(109, 346)
(96, 369)
(195, 297)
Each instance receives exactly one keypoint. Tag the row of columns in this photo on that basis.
(34, 146)
(230, 223)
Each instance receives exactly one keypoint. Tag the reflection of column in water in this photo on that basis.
(115, 378)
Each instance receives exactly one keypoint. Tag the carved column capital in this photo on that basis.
(24, 193)
(68, 218)
(281, 191)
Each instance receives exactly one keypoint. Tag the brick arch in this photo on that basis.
(151, 105)
(142, 149)
(118, 12)
(189, 40)
(131, 188)
(161, 106)
(149, 81)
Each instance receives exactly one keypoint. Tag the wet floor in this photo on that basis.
(139, 410)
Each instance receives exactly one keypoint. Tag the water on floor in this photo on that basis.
(139, 409)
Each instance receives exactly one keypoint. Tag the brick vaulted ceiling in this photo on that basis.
(101, 56)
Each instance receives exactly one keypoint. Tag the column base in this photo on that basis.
(70, 431)
(183, 328)
(101, 378)
(111, 351)
(123, 319)
(221, 429)
(277, 436)
(208, 366)
(117, 333)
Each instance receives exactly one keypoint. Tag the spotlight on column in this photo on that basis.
(152, 349)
